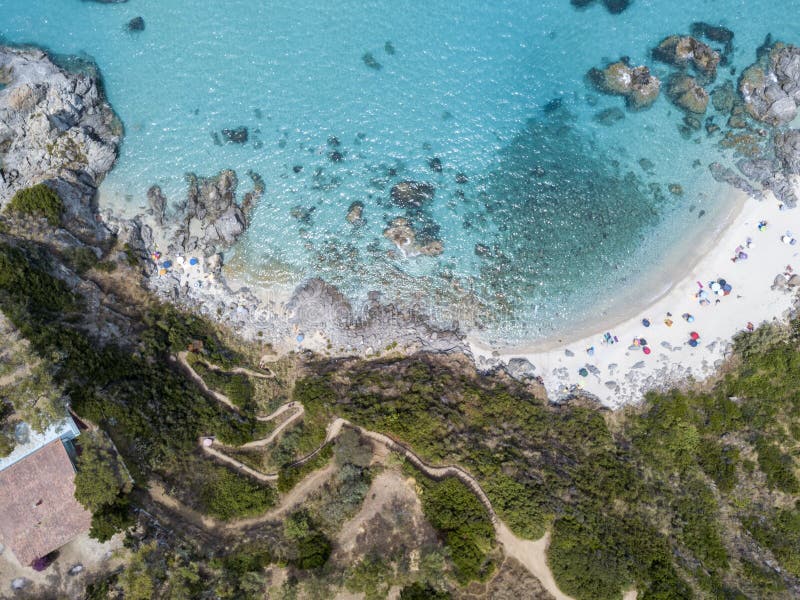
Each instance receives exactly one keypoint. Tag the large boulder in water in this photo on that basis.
(686, 93)
(639, 87)
(771, 86)
(412, 194)
(401, 234)
(684, 50)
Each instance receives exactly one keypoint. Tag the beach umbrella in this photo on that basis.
(693, 343)
(646, 322)
(642, 342)
(715, 286)
(646, 349)
(300, 337)
(583, 372)
(694, 335)
(162, 271)
(193, 261)
(166, 264)
(727, 288)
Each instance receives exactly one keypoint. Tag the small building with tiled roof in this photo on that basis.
(38, 509)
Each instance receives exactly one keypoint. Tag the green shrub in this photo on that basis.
(227, 495)
(464, 523)
(81, 258)
(38, 201)
(311, 547)
(419, 591)
(777, 466)
(289, 476)
(236, 386)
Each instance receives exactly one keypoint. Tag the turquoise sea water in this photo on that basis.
(567, 211)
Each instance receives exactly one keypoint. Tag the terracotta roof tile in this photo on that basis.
(38, 509)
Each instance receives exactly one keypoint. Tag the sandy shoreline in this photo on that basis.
(621, 372)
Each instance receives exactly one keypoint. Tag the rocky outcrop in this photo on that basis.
(686, 93)
(402, 234)
(639, 87)
(412, 194)
(727, 175)
(682, 51)
(157, 203)
(211, 218)
(787, 150)
(771, 86)
(317, 303)
(56, 128)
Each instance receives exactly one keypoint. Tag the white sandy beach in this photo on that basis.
(621, 372)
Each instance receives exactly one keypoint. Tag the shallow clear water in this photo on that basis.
(566, 212)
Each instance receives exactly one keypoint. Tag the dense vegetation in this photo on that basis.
(38, 201)
(236, 386)
(101, 485)
(633, 500)
(152, 412)
(464, 523)
(695, 493)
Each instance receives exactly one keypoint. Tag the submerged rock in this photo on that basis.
(388, 47)
(412, 194)
(771, 86)
(371, 62)
(237, 136)
(684, 50)
(435, 164)
(354, 214)
(609, 116)
(715, 33)
(723, 97)
(615, 7)
(136, 24)
(402, 235)
(639, 87)
(686, 93)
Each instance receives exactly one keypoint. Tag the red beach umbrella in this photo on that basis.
(646, 350)
(694, 335)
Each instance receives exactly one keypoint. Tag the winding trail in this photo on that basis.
(530, 553)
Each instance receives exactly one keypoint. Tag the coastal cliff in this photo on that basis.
(55, 128)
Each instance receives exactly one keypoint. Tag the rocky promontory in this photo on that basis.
(57, 129)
